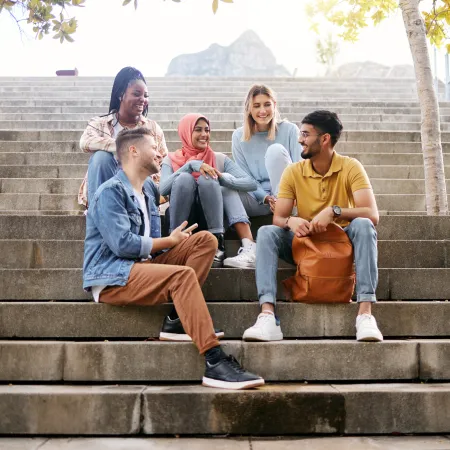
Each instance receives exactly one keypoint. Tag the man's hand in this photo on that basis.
(271, 201)
(299, 226)
(322, 220)
(206, 170)
(179, 234)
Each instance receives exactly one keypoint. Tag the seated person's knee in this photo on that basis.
(184, 179)
(274, 151)
(101, 158)
(207, 182)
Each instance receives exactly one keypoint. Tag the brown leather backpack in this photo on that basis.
(325, 271)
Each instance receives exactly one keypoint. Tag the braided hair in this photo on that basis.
(123, 79)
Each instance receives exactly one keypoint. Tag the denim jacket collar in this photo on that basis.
(129, 188)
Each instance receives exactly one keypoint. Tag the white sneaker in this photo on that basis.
(266, 328)
(367, 329)
(245, 259)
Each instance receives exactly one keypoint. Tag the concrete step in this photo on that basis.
(29, 102)
(98, 321)
(229, 443)
(153, 361)
(274, 409)
(79, 171)
(349, 147)
(50, 171)
(218, 126)
(71, 185)
(170, 112)
(73, 228)
(221, 285)
(46, 158)
(224, 94)
(220, 135)
(228, 115)
(55, 254)
(42, 185)
(63, 202)
(78, 157)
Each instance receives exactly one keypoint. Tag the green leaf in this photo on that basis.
(125, 2)
(215, 5)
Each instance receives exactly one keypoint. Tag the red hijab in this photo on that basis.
(188, 152)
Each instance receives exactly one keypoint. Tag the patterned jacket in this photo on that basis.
(97, 136)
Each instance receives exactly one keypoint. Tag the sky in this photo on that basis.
(111, 36)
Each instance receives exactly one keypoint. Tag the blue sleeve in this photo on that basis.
(295, 149)
(239, 158)
(235, 178)
(168, 176)
(113, 222)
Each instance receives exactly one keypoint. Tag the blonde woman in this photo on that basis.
(262, 148)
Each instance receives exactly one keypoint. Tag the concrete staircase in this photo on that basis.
(72, 367)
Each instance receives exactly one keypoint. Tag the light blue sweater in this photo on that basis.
(249, 155)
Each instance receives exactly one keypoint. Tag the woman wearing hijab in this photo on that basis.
(196, 174)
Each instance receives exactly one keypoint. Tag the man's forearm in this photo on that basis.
(280, 221)
(364, 212)
(161, 244)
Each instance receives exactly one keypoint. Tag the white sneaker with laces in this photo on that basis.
(266, 328)
(245, 259)
(367, 329)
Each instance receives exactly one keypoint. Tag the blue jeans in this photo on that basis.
(102, 166)
(183, 195)
(273, 242)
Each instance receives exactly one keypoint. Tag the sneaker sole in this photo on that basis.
(369, 338)
(278, 337)
(175, 337)
(244, 266)
(232, 385)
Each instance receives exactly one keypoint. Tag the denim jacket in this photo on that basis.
(114, 228)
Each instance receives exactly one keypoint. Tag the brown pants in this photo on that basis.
(176, 274)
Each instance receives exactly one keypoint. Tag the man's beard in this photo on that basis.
(152, 167)
(305, 155)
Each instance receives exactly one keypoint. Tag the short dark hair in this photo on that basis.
(128, 137)
(325, 122)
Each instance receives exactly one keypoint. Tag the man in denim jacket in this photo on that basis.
(127, 262)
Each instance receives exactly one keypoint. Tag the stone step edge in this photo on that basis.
(290, 360)
(399, 319)
(272, 410)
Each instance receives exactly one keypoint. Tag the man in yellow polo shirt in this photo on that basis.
(327, 187)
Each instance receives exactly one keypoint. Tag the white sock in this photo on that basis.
(247, 243)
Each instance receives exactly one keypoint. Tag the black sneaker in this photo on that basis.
(228, 374)
(172, 330)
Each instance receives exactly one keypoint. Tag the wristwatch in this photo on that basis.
(336, 211)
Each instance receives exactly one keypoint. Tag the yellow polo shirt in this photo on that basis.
(315, 192)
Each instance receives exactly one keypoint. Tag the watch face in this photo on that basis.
(336, 210)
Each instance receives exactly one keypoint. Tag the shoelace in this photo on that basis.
(262, 318)
(243, 251)
(234, 364)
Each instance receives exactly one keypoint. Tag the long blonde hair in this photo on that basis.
(249, 122)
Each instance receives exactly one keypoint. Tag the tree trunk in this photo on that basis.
(435, 189)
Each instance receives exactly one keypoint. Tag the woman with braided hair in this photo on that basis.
(128, 109)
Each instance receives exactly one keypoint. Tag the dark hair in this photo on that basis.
(120, 85)
(325, 122)
(127, 137)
